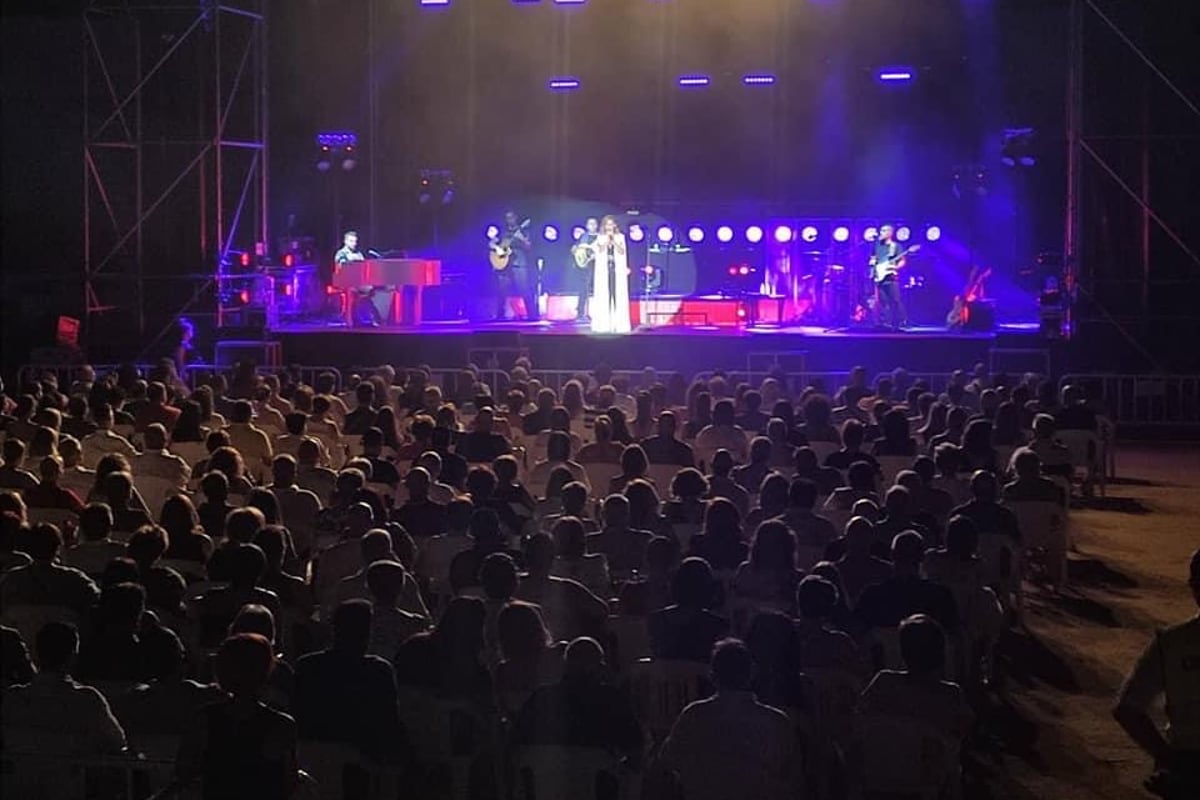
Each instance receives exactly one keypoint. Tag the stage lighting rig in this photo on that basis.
(337, 147)
(1016, 148)
(436, 185)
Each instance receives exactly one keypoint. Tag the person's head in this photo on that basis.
(603, 429)
(774, 548)
(861, 476)
(962, 537)
(242, 524)
(458, 515)
(984, 486)
(608, 225)
(242, 412)
(481, 484)
(592, 225)
(570, 537)
(977, 438)
(908, 550)
(583, 661)
(147, 545)
(760, 450)
(498, 576)
(692, 587)
(350, 240)
(860, 534)
(385, 582)
(643, 502)
(121, 607)
(895, 427)
(558, 446)
(802, 494)
(215, 487)
(948, 459)
(229, 461)
(956, 419)
(722, 463)
(897, 502)
(1044, 427)
(118, 489)
(418, 482)
(923, 646)
(723, 413)
(347, 484)
(215, 441)
(731, 666)
(14, 453)
(522, 632)
(688, 484)
(615, 511)
(805, 459)
(925, 468)
(667, 424)
(352, 626)
(539, 554)
(574, 498)
(866, 508)
(244, 664)
(662, 556)
(247, 565)
(1027, 464)
(266, 502)
(70, 451)
(275, 542)
(485, 528)
(852, 434)
(816, 597)
(55, 647)
(364, 394)
(376, 545)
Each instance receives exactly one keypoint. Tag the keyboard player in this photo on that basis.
(365, 312)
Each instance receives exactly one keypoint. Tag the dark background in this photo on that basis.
(464, 88)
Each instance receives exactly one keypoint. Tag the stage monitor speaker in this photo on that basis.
(981, 315)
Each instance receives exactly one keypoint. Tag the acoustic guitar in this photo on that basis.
(957, 317)
(500, 252)
(584, 254)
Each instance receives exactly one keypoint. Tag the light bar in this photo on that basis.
(895, 74)
(337, 139)
(435, 2)
(564, 84)
(694, 80)
(756, 79)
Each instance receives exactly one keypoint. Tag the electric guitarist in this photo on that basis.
(887, 260)
(584, 255)
(511, 257)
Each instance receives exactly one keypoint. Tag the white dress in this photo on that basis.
(610, 313)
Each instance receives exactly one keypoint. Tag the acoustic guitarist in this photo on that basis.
(887, 260)
(584, 255)
(511, 259)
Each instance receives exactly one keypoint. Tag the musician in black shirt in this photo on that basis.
(517, 278)
(889, 308)
(365, 312)
(583, 274)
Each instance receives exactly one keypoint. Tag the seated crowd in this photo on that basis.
(218, 575)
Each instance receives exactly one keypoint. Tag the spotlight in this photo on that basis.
(933, 233)
(903, 233)
(733, 271)
(783, 234)
(637, 233)
(743, 270)
(841, 233)
(665, 234)
(349, 160)
(550, 233)
(694, 80)
(809, 234)
(725, 234)
(754, 234)
(323, 162)
(895, 75)
(577, 232)
(870, 234)
(492, 232)
(695, 234)
(565, 84)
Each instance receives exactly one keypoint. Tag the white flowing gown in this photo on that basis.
(610, 314)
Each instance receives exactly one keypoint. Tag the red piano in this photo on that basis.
(405, 278)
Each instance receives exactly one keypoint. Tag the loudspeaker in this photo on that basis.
(981, 315)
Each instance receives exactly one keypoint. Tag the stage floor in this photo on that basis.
(691, 348)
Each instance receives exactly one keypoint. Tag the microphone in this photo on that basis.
(374, 253)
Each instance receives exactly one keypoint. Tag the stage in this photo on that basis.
(691, 348)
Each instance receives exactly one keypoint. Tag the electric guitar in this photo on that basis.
(500, 252)
(957, 317)
(888, 267)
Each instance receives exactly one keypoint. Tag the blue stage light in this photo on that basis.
(694, 80)
(809, 234)
(491, 232)
(435, 2)
(754, 234)
(758, 79)
(871, 234)
(933, 233)
(577, 232)
(783, 234)
(695, 234)
(637, 233)
(550, 233)
(725, 234)
(903, 233)
(895, 74)
(841, 233)
(564, 84)
(665, 234)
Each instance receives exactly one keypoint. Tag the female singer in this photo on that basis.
(610, 280)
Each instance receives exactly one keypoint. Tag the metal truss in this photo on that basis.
(1110, 191)
(175, 156)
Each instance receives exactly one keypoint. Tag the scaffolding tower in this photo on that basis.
(174, 161)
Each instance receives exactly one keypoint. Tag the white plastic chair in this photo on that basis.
(1085, 455)
(599, 474)
(824, 449)
(662, 688)
(155, 491)
(1043, 527)
(191, 452)
(550, 773)
(663, 474)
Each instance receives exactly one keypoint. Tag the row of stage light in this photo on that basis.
(753, 234)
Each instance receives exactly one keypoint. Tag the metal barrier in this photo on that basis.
(65, 373)
(1151, 400)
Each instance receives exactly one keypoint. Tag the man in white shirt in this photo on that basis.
(1169, 669)
(75, 477)
(249, 440)
(722, 434)
(97, 445)
(53, 715)
(298, 506)
(156, 462)
(731, 745)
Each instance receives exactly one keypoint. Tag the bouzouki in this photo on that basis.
(889, 267)
(584, 254)
(500, 252)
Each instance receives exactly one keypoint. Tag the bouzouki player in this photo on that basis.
(584, 255)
